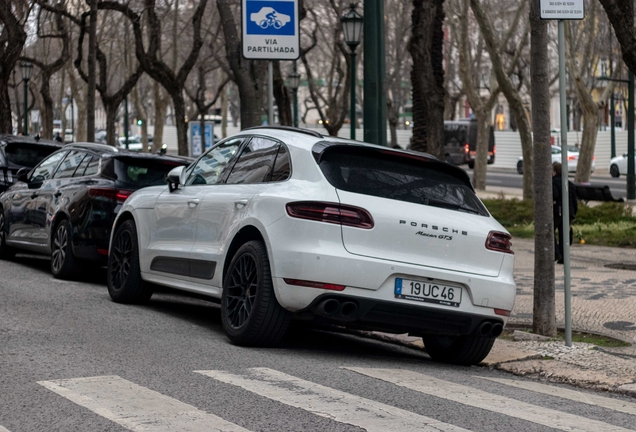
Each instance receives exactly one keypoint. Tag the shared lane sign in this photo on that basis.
(270, 29)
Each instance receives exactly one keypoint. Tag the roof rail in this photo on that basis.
(288, 128)
(93, 146)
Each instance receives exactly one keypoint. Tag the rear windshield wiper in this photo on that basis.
(452, 206)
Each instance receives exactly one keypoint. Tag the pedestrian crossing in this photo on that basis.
(138, 408)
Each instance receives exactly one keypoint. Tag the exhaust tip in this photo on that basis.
(496, 331)
(349, 309)
(485, 329)
(331, 306)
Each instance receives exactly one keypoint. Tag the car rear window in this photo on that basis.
(391, 175)
(27, 155)
(136, 173)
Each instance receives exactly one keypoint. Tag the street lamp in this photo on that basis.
(352, 29)
(293, 80)
(70, 98)
(26, 69)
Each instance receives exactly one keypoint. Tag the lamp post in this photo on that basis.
(352, 28)
(26, 69)
(294, 82)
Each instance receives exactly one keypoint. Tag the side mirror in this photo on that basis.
(22, 175)
(175, 178)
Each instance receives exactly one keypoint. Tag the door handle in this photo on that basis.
(193, 202)
(241, 203)
(34, 195)
(57, 194)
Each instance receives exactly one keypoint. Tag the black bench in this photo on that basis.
(591, 192)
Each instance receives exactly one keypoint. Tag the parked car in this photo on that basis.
(21, 152)
(618, 165)
(460, 142)
(66, 205)
(279, 222)
(573, 159)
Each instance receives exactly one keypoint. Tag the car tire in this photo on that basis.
(124, 281)
(471, 164)
(250, 313)
(6, 252)
(520, 167)
(64, 265)
(459, 350)
(614, 172)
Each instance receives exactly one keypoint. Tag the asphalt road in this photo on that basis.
(167, 366)
(510, 179)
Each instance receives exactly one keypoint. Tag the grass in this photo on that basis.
(608, 224)
(594, 339)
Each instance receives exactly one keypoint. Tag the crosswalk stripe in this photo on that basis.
(587, 398)
(135, 407)
(4, 429)
(330, 403)
(487, 401)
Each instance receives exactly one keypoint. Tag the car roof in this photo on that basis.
(19, 139)
(107, 150)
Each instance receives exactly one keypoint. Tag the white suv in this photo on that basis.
(277, 223)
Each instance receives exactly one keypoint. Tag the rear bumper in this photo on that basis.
(391, 317)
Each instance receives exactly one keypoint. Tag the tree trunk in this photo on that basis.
(5, 107)
(13, 38)
(283, 98)
(588, 143)
(47, 108)
(427, 76)
(481, 147)
(80, 100)
(111, 117)
(178, 103)
(224, 113)
(544, 309)
(393, 117)
(92, 72)
(161, 107)
(621, 15)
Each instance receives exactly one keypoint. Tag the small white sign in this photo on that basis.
(562, 10)
(270, 29)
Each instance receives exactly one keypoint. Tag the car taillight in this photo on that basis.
(331, 213)
(494, 149)
(311, 284)
(572, 158)
(110, 194)
(499, 241)
(467, 148)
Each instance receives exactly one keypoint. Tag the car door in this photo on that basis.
(52, 193)
(224, 205)
(24, 218)
(174, 218)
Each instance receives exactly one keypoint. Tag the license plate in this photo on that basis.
(428, 292)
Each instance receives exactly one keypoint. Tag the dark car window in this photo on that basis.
(44, 171)
(135, 173)
(92, 167)
(255, 163)
(79, 172)
(70, 164)
(399, 177)
(209, 168)
(282, 166)
(27, 155)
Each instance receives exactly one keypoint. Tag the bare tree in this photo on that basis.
(584, 40)
(427, 76)
(471, 72)
(495, 46)
(44, 33)
(172, 80)
(13, 16)
(621, 16)
(544, 309)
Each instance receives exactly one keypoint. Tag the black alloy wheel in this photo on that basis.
(125, 284)
(6, 252)
(614, 172)
(250, 313)
(520, 167)
(459, 350)
(64, 265)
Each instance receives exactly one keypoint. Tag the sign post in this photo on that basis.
(196, 137)
(564, 10)
(270, 31)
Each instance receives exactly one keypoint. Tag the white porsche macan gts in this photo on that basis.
(277, 223)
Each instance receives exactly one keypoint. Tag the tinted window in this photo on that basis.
(70, 164)
(92, 167)
(45, 169)
(79, 172)
(255, 163)
(136, 173)
(282, 166)
(27, 155)
(397, 177)
(209, 168)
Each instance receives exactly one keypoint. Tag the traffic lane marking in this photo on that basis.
(573, 395)
(330, 403)
(135, 407)
(488, 401)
